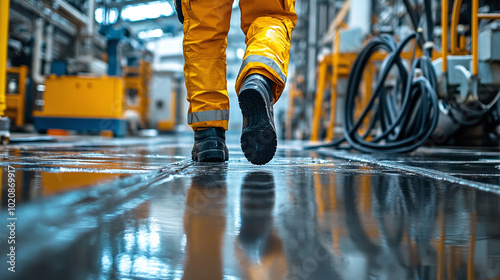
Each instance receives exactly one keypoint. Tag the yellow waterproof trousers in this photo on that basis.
(267, 25)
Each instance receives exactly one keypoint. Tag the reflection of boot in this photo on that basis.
(205, 222)
(259, 248)
(258, 138)
(257, 202)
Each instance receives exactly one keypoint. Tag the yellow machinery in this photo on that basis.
(96, 104)
(137, 81)
(87, 104)
(460, 49)
(4, 33)
(169, 125)
(16, 94)
(337, 65)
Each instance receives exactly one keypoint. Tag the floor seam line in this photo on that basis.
(424, 172)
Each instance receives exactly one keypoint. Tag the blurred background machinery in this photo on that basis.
(388, 75)
(372, 118)
(83, 66)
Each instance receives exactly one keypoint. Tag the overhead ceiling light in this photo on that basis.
(99, 15)
(149, 34)
(147, 11)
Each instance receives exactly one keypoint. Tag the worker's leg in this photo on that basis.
(268, 26)
(206, 24)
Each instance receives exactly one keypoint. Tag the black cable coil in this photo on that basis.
(402, 119)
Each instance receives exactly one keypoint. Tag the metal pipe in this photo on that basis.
(444, 34)
(91, 16)
(90, 27)
(330, 133)
(37, 52)
(360, 16)
(454, 24)
(71, 12)
(339, 19)
(4, 37)
(312, 46)
(475, 37)
(489, 16)
(322, 73)
(49, 48)
(69, 27)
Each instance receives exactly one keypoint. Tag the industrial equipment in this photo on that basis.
(469, 75)
(399, 94)
(165, 108)
(137, 80)
(80, 96)
(16, 94)
(87, 104)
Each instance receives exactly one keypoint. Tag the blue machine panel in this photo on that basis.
(118, 126)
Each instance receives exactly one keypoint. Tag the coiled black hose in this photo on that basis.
(403, 119)
(400, 120)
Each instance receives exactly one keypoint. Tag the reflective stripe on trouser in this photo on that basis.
(268, 28)
(206, 24)
(208, 116)
(267, 25)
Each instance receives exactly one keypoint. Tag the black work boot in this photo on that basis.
(210, 145)
(258, 138)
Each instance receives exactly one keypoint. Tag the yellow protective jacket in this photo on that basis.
(267, 25)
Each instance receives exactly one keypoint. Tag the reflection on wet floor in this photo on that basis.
(46, 170)
(304, 216)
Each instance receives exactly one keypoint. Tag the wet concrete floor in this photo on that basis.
(94, 208)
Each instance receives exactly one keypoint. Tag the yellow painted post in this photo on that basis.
(463, 44)
(475, 37)
(23, 74)
(454, 23)
(4, 36)
(322, 73)
(290, 111)
(444, 35)
(333, 99)
(173, 107)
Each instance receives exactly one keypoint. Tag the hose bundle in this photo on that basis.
(402, 119)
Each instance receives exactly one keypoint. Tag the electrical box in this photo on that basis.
(488, 49)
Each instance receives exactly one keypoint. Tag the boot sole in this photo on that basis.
(211, 156)
(258, 140)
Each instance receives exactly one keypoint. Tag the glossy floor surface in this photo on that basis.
(93, 208)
